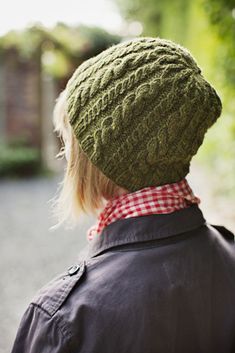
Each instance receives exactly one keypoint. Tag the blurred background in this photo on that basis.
(41, 44)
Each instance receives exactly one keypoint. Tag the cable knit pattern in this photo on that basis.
(140, 110)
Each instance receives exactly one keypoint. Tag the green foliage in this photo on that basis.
(18, 161)
(159, 18)
(26, 42)
(148, 12)
(217, 154)
(221, 14)
(61, 48)
(222, 17)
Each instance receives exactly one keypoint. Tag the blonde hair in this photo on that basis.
(84, 188)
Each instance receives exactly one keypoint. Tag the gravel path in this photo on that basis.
(31, 255)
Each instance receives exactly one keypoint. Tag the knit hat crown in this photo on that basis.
(140, 110)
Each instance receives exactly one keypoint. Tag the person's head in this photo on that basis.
(132, 116)
(84, 187)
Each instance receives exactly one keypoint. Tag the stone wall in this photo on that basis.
(22, 99)
(27, 98)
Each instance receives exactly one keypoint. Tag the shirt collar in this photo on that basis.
(146, 228)
(165, 198)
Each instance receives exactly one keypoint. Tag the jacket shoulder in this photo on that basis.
(224, 249)
(226, 233)
(51, 296)
(40, 316)
(32, 335)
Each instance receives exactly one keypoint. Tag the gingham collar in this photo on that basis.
(146, 228)
(162, 199)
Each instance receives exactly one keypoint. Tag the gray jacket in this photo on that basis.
(152, 284)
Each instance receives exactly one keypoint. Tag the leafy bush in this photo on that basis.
(18, 161)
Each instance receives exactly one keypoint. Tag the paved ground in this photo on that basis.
(30, 255)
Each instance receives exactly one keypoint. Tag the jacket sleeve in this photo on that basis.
(39, 332)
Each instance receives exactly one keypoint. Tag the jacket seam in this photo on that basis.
(55, 305)
(66, 334)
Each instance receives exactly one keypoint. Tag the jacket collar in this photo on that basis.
(145, 228)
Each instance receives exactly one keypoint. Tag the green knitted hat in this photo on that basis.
(140, 110)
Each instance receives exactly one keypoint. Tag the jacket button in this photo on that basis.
(72, 270)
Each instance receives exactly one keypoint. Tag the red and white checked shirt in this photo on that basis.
(149, 200)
